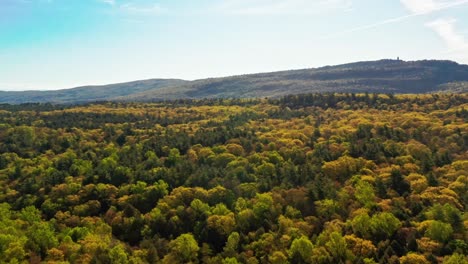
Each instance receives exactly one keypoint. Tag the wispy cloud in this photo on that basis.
(454, 40)
(110, 2)
(149, 9)
(27, 1)
(416, 7)
(281, 7)
(134, 11)
(445, 28)
(420, 6)
(429, 6)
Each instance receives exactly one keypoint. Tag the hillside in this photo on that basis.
(384, 76)
(87, 93)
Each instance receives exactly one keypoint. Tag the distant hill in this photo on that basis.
(383, 76)
(88, 93)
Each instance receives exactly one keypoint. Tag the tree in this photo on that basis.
(55, 255)
(327, 208)
(337, 247)
(360, 247)
(220, 226)
(263, 206)
(343, 168)
(384, 225)
(118, 255)
(183, 249)
(398, 184)
(23, 136)
(41, 238)
(301, 250)
(439, 231)
(173, 157)
(278, 257)
(230, 261)
(361, 225)
(15, 251)
(456, 259)
(365, 194)
(232, 244)
(414, 258)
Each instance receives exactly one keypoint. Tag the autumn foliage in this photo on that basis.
(314, 178)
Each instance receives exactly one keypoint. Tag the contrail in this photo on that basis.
(395, 20)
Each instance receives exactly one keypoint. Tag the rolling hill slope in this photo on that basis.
(384, 76)
(88, 93)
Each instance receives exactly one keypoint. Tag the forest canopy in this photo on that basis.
(312, 178)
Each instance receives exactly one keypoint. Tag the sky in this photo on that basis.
(56, 44)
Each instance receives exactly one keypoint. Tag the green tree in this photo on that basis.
(118, 255)
(365, 194)
(41, 238)
(23, 136)
(263, 206)
(384, 225)
(439, 231)
(232, 244)
(456, 259)
(230, 261)
(361, 225)
(301, 250)
(184, 249)
(337, 247)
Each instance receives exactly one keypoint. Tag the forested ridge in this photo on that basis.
(381, 76)
(311, 178)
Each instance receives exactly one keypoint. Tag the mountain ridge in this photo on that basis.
(382, 76)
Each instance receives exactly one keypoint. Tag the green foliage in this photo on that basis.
(232, 244)
(384, 224)
(446, 213)
(361, 225)
(365, 194)
(41, 238)
(184, 248)
(314, 178)
(301, 250)
(118, 255)
(263, 206)
(327, 207)
(439, 231)
(337, 247)
(456, 259)
(230, 261)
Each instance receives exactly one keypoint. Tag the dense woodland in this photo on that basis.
(314, 178)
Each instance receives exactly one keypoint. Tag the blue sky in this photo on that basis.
(53, 44)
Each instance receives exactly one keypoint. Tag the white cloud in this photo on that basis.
(27, 1)
(136, 7)
(110, 2)
(150, 9)
(282, 7)
(419, 6)
(429, 6)
(416, 7)
(446, 30)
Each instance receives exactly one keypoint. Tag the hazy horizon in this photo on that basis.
(57, 44)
